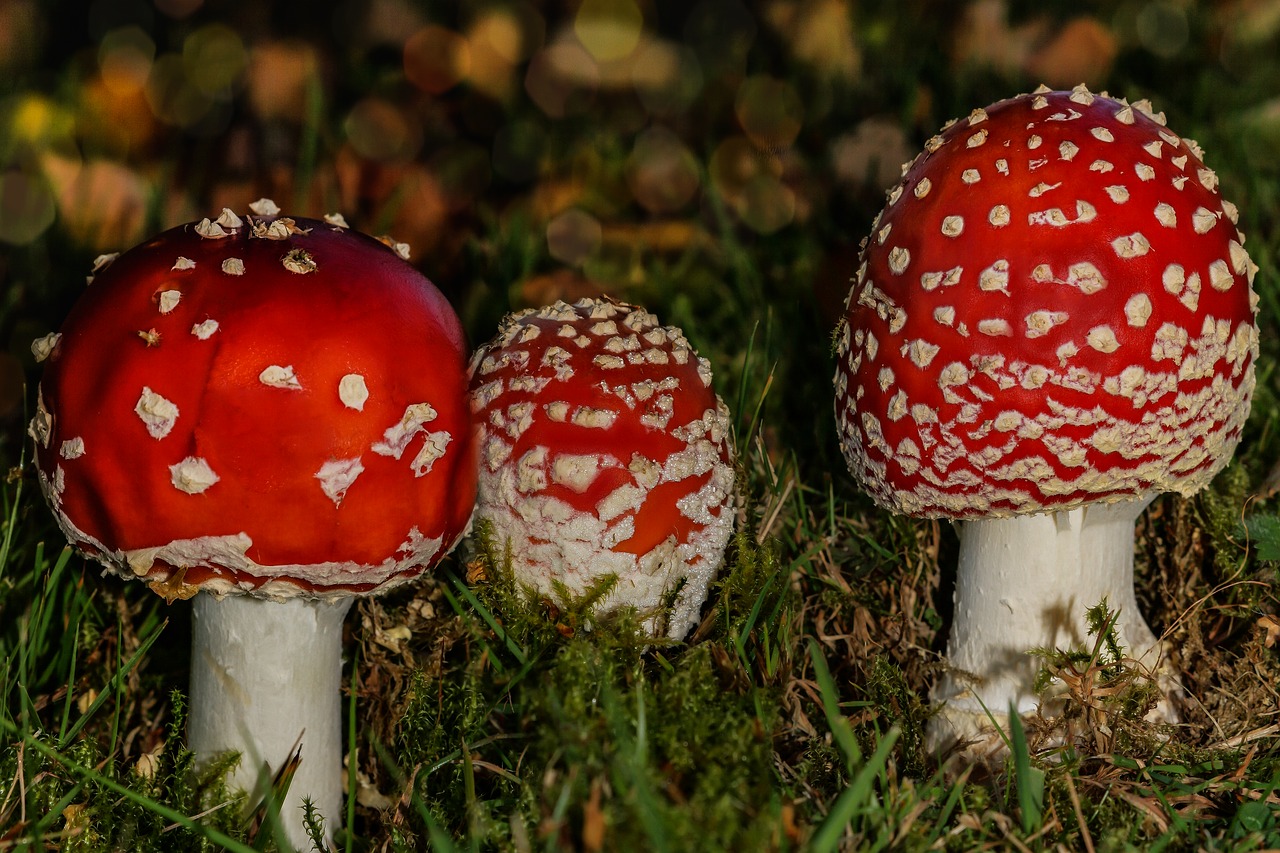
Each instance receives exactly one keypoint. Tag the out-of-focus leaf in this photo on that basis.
(1264, 534)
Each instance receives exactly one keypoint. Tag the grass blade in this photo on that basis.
(840, 729)
(116, 682)
(489, 619)
(858, 797)
(1028, 780)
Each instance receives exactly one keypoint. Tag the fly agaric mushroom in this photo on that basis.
(272, 412)
(604, 450)
(1053, 322)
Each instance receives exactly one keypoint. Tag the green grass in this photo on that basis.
(793, 718)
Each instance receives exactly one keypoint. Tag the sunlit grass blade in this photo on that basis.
(464, 591)
(840, 729)
(1028, 780)
(117, 682)
(858, 797)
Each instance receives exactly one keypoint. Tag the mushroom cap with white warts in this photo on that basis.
(604, 450)
(1077, 325)
(236, 440)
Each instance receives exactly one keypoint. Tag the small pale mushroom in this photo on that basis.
(1124, 368)
(233, 451)
(604, 450)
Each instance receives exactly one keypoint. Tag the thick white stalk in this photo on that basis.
(265, 675)
(1025, 582)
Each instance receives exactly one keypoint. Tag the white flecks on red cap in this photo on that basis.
(228, 219)
(231, 552)
(41, 426)
(157, 414)
(210, 230)
(167, 300)
(337, 475)
(434, 446)
(280, 376)
(42, 348)
(1129, 336)
(192, 475)
(592, 418)
(197, 475)
(264, 207)
(397, 436)
(277, 229)
(353, 392)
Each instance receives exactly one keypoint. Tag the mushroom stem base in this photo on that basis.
(1025, 583)
(266, 676)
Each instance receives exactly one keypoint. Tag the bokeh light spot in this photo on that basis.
(574, 236)
(279, 73)
(872, 155)
(26, 207)
(125, 56)
(102, 204)
(770, 111)
(609, 29)
(35, 120)
(562, 79)
(378, 130)
(661, 171)
(1162, 28)
(733, 164)
(215, 57)
(767, 204)
(667, 77)
(502, 33)
(436, 59)
(172, 96)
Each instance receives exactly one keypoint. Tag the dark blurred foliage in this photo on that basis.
(716, 160)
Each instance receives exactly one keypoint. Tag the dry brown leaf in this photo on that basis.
(1271, 625)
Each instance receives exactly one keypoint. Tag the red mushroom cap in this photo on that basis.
(604, 450)
(274, 406)
(1054, 307)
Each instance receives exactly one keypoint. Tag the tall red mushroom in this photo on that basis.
(270, 412)
(1053, 322)
(604, 450)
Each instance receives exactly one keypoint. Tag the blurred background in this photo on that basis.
(716, 160)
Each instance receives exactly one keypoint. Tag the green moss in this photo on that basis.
(1222, 506)
(592, 725)
(686, 758)
(897, 704)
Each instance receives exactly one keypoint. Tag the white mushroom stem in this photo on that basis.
(1024, 583)
(266, 675)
